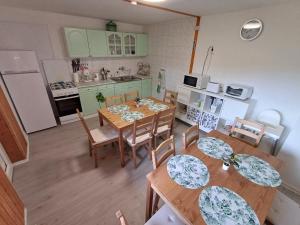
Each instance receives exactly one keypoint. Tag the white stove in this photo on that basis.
(66, 97)
(63, 88)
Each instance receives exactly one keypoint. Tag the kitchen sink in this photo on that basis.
(125, 78)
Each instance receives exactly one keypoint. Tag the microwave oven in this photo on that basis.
(196, 81)
(238, 91)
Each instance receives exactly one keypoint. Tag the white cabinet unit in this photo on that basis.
(209, 110)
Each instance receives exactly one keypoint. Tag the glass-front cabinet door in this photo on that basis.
(114, 42)
(129, 44)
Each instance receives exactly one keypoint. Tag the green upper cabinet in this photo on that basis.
(141, 44)
(77, 42)
(97, 43)
(129, 44)
(88, 100)
(114, 43)
(146, 88)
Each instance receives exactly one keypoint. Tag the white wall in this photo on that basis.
(170, 46)
(43, 33)
(269, 63)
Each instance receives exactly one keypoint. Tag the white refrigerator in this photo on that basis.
(21, 75)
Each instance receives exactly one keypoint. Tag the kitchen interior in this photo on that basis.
(54, 60)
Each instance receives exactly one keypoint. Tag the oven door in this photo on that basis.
(67, 105)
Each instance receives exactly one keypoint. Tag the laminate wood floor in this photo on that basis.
(60, 186)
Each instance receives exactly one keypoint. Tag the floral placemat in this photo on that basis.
(221, 206)
(132, 116)
(158, 107)
(118, 109)
(257, 170)
(214, 147)
(188, 171)
(146, 101)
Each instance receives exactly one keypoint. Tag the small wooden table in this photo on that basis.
(120, 125)
(184, 202)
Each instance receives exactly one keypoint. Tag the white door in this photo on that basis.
(31, 100)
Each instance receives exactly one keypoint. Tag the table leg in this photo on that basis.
(121, 147)
(149, 201)
(100, 119)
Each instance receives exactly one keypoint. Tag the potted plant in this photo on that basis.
(100, 98)
(137, 101)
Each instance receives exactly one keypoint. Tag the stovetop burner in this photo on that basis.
(62, 85)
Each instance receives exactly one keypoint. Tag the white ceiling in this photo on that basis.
(125, 12)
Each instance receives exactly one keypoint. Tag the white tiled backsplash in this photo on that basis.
(112, 64)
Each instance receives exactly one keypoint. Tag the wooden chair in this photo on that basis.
(164, 216)
(170, 97)
(163, 124)
(247, 131)
(131, 95)
(141, 135)
(121, 217)
(190, 136)
(98, 137)
(168, 147)
(113, 100)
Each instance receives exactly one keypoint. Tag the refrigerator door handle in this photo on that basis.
(9, 72)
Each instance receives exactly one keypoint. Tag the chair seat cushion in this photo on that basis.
(164, 216)
(139, 139)
(103, 134)
(162, 129)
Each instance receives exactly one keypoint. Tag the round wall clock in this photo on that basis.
(251, 29)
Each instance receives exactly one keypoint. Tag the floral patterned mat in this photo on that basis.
(188, 171)
(257, 170)
(118, 109)
(146, 101)
(221, 206)
(132, 116)
(158, 107)
(214, 147)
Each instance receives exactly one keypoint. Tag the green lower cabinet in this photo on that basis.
(120, 88)
(106, 90)
(146, 88)
(88, 100)
(134, 86)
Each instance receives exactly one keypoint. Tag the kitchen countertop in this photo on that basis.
(108, 81)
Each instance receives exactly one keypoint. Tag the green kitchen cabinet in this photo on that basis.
(120, 88)
(88, 100)
(106, 90)
(134, 86)
(77, 42)
(141, 44)
(97, 43)
(129, 44)
(146, 88)
(114, 43)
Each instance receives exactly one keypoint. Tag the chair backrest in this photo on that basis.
(132, 95)
(121, 217)
(85, 126)
(249, 129)
(168, 147)
(164, 118)
(142, 127)
(190, 136)
(113, 100)
(170, 97)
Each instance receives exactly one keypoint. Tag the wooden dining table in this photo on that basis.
(184, 202)
(116, 121)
